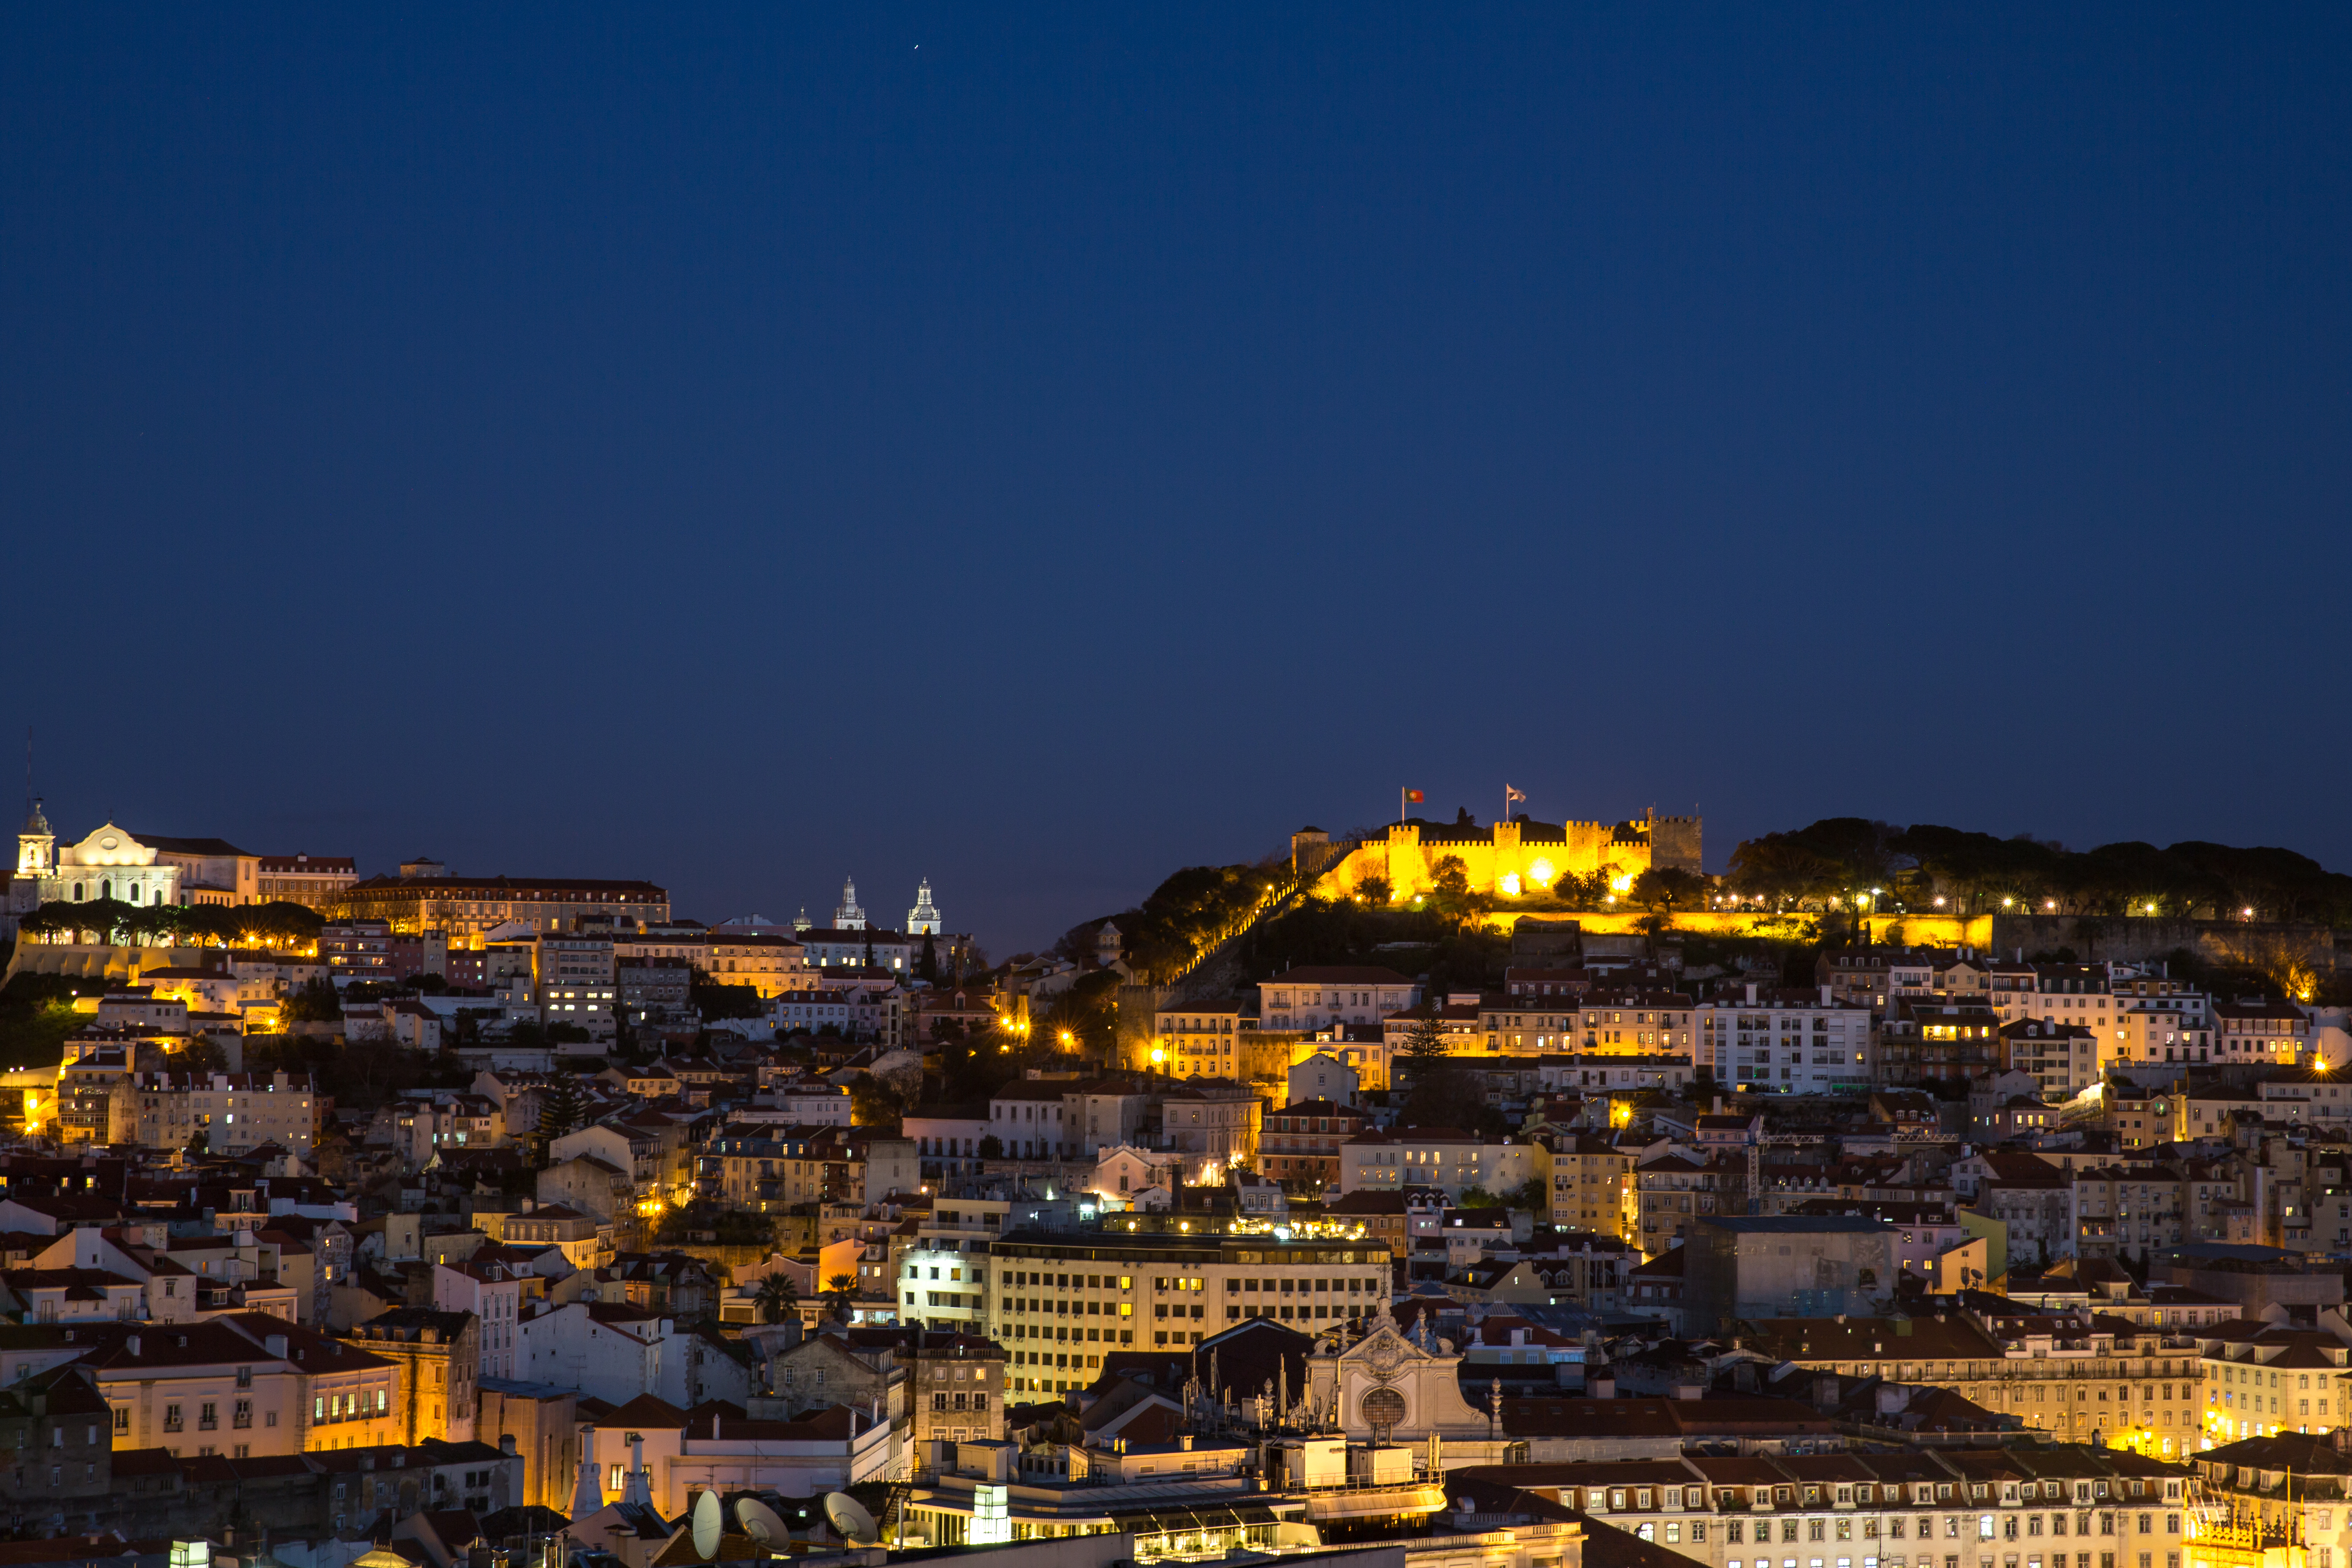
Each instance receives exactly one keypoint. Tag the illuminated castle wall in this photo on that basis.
(1515, 857)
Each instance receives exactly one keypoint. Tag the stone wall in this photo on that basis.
(2255, 945)
(122, 965)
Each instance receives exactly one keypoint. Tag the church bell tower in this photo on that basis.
(36, 846)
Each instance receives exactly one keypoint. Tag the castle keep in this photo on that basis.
(1508, 858)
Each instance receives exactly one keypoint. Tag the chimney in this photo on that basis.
(1184, 1441)
(1825, 995)
(133, 1343)
(1751, 993)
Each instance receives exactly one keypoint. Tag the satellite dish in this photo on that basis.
(707, 1523)
(851, 1519)
(759, 1520)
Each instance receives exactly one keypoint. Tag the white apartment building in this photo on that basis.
(1788, 1041)
(493, 1293)
(1320, 997)
(1441, 1157)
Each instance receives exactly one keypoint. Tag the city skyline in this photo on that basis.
(1856, 415)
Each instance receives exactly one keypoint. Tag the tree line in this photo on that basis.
(1842, 858)
(111, 920)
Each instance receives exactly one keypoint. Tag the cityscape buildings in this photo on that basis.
(532, 1188)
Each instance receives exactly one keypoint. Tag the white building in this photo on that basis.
(1442, 1157)
(1031, 1122)
(923, 920)
(1786, 1041)
(107, 864)
(1323, 1077)
(493, 1293)
(601, 1348)
(1322, 996)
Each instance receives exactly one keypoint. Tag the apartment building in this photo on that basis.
(313, 881)
(1442, 1157)
(1313, 997)
(1588, 1022)
(438, 1354)
(2256, 1031)
(1301, 1143)
(1908, 1509)
(1199, 1039)
(575, 979)
(467, 907)
(234, 1111)
(1786, 1041)
(1930, 1037)
(1062, 1301)
(1591, 1183)
(769, 964)
(2077, 1377)
(490, 1291)
(767, 1167)
(1215, 1123)
(2063, 1059)
(2261, 1379)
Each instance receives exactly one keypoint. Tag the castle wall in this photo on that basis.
(1500, 861)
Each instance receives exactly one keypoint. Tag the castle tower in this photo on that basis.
(923, 920)
(849, 917)
(36, 846)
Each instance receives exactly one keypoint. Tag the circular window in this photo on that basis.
(109, 842)
(1383, 1407)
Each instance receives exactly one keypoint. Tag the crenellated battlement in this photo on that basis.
(1514, 859)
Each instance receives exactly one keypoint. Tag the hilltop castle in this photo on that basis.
(1509, 858)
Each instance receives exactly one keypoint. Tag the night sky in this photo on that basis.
(1037, 450)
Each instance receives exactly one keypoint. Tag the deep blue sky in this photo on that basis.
(1037, 450)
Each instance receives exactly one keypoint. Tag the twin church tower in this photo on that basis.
(923, 920)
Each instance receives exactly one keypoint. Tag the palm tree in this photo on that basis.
(777, 1298)
(839, 1292)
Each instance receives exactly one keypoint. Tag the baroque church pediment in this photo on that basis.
(107, 845)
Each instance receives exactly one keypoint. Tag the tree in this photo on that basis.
(1531, 1196)
(928, 966)
(1376, 891)
(1664, 887)
(777, 1298)
(839, 1292)
(716, 1000)
(991, 1147)
(1425, 1040)
(872, 1103)
(314, 1002)
(201, 1054)
(198, 1142)
(1478, 1197)
(560, 1111)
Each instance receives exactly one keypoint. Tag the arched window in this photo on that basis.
(106, 890)
(76, 892)
(134, 891)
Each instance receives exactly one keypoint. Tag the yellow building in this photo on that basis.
(1515, 858)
